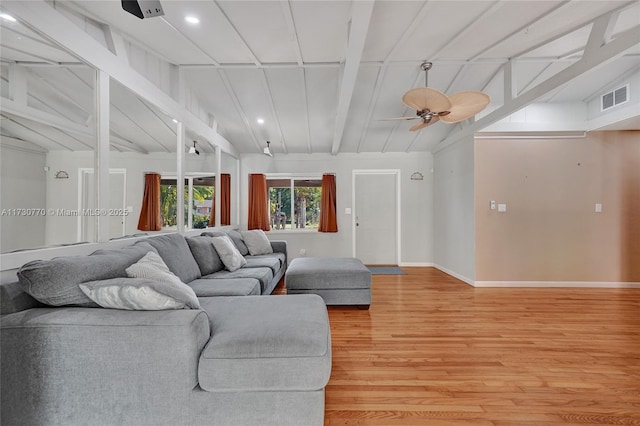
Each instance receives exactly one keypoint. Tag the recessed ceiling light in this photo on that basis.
(7, 17)
(192, 19)
(260, 120)
(175, 121)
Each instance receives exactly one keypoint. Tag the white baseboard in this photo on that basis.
(454, 274)
(416, 264)
(565, 284)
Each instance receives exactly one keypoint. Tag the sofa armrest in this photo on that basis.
(279, 246)
(92, 362)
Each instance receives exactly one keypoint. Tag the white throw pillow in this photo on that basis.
(150, 286)
(139, 294)
(257, 242)
(228, 253)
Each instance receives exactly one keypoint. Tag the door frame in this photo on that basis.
(397, 174)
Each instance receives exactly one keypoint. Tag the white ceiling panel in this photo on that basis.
(290, 104)
(322, 28)
(263, 28)
(384, 31)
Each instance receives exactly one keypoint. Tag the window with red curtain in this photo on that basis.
(328, 218)
(150, 218)
(224, 186)
(258, 203)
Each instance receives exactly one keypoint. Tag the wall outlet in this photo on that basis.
(303, 252)
(493, 204)
(598, 208)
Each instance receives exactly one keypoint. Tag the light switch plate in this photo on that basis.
(598, 208)
(502, 208)
(347, 210)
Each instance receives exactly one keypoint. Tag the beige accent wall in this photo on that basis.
(550, 231)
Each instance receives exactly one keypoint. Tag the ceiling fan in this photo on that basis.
(432, 105)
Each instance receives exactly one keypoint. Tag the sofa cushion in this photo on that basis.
(55, 282)
(140, 294)
(264, 261)
(228, 253)
(205, 254)
(264, 275)
(174, 250)
(284, 344)
(257, 242)
(213, 287)
(235, 236)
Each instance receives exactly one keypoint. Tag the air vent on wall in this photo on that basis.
(615, 98)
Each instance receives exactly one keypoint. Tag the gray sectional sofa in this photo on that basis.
(242, 358)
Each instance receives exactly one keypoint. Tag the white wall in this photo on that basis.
(454, 212)
(22, 186)
(416, 208)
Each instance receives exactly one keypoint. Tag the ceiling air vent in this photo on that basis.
(615, 97)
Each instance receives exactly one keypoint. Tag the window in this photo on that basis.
(294, 203)
(198, 200)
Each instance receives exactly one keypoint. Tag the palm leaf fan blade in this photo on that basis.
(465, 105)
(422, 98)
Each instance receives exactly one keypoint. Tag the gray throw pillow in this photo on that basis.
(229, 253)
(55, 282)
(235, 236)
(139, 294)
(205, 254)
(257, 242)
(174, 251)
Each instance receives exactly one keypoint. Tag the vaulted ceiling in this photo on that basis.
(321, 74)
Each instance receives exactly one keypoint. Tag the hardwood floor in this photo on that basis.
(434, 351)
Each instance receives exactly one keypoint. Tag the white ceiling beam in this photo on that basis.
(11, 107)
(510, 90)
(21, 145)
(592, 59)
(360, 18)
(41, 17)
(293, 33)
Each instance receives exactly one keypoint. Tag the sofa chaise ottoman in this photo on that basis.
(338, 280)
(239, 358)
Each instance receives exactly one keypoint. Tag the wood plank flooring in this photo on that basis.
(434, 351)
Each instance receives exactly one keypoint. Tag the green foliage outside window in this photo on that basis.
(169, 199)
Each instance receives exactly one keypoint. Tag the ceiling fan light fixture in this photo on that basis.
(432, 105)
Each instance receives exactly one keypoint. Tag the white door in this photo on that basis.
(376, 217)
